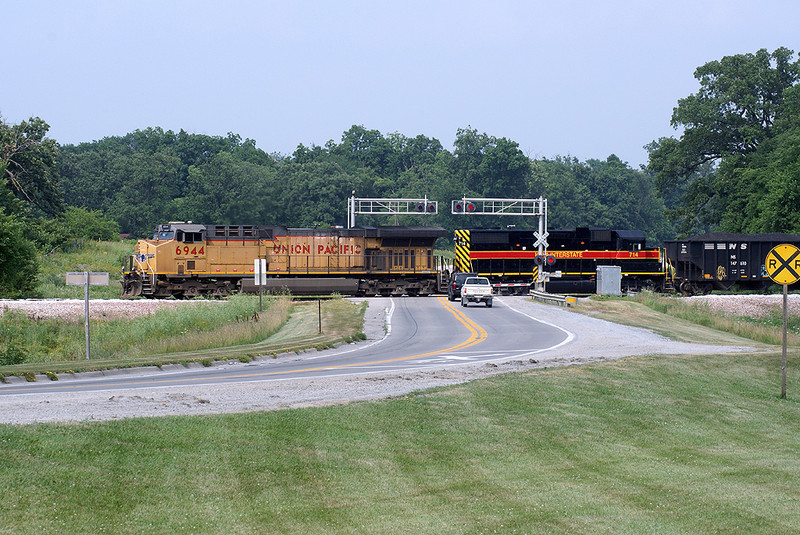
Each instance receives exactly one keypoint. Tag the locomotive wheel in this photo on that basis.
(133, 289)
(685, 288)
(221, 291)
(191, 291)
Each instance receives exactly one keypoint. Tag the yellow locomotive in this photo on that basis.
(188, 260)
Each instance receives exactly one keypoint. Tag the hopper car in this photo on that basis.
(720, 260)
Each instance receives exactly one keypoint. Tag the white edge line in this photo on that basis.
(388, 313)
(570, 334)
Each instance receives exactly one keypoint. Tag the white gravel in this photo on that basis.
(754, 306)
(75, 309)
(594, 340)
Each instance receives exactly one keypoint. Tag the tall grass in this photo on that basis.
(83, 256)
(192, 326)
(766, 330)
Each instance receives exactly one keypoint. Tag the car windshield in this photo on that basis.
(477, 281)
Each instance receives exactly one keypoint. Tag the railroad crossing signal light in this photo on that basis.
(461, 207)
(420, 207)
(545, 260)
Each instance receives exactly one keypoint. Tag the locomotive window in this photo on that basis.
(165, 235)
(189, 237)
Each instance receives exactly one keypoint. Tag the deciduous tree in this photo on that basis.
(737, 109)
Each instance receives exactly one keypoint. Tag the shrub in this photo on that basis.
(12, 354)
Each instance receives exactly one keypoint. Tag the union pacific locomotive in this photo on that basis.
(696, 265)
(188, 260)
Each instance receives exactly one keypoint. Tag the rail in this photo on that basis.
(562, 300)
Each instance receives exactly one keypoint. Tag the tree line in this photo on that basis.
(734, 168)
(153, 176)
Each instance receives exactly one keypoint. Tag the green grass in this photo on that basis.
(644, 445)
(689, 321)
(84, 256)
(202, 331)
(189, 327)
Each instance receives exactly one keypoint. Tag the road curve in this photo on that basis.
(420, 333)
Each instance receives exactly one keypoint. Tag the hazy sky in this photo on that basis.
(579, 78)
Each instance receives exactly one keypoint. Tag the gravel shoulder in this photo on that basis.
(617, 341)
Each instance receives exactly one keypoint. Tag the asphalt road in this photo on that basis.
(421, 332)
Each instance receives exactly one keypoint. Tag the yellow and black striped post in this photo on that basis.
(462, 262)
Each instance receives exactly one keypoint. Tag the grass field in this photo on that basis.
(643, 445)
(699, 444)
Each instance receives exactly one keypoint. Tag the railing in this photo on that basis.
(386, 263)
(562, 300)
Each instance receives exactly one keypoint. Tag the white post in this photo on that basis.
(351, 212)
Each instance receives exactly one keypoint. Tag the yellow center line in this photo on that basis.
(477, 335)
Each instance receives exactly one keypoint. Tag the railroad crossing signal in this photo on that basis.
(388, 206)
(462, 207)
(491, 206)
(545, 260)
(783, 264)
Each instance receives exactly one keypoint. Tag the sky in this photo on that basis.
(580, 78)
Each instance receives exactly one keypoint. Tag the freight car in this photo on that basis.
(508, 258)
(718, 261)
(695, 265)
(188, 260)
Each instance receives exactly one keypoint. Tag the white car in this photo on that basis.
(476, 290)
